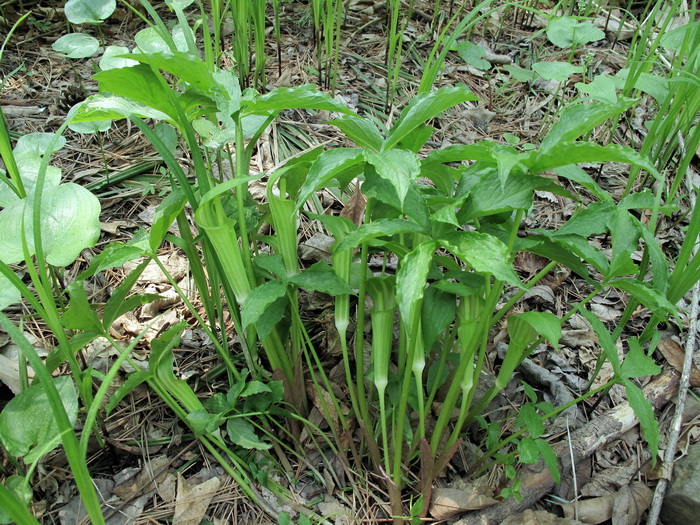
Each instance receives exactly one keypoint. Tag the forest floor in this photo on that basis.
(148, 450)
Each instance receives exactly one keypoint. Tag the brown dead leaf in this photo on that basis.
(448, 502)
(355, 207)
(193, 500)
(146, 480)
(592, 510)
(675, 355)
(631, 502)
(538, 517)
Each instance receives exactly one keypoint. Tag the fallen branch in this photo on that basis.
(536, 479)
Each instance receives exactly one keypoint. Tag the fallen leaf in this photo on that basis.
(193, 501)
(675, 355)
(631, 502)
(448, 502)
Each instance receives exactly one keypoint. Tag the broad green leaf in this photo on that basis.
(550, 458)
(528, 417)
(135, 379)
(113, 58)
(559, 71)
(182, 65)
(21, 489)
(625, 239)
(591, 220)
(645, 294)
(202, 422)
(112, 107)
(439, 310)
(94, 126)
(326, 167)
(551, 249)
(380, 228)
(644, 411)
(76, 45)
(653, 85)
(579, 120)
(242, 433)
(8, 293)
(29, 165)
(139, 84)
(179, 4)
(483, 150)
(472, 54)
(166, 213)
(306, 96)
(398, 167)
(38, 144)
(564, 153)
(79, 315)
(490, 196)
(528, 450)
(411, 280)
(605, 340)
(259, 299)
(361, 131)
(566, 32)
(69, 224)
(27, 425)
(273, 263)
(321, 278)
(150, 41)
(520, 74)
(546, 324)
(424, 107)
(602, 88)
(579, 176)
(89, 11)
(483, 252)
(637, 363)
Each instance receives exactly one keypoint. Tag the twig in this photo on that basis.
(675, 431)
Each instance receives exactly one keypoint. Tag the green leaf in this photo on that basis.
(644, 411)
(483, 252)
(380, 228)
(579, 176)
(8, 293)
(113, 58)
(410, 280)
(321, 278)
(645, 294)
(566, 32)
(361, 131)
(69, 224)
(528, 417)
(182, 65)
(112, 107)
(29, 165)
(424, 107)
(546, 324)
(326, 167)
(76, 45)
(602, 88)
(79, 315)
(579, 120)
(273, 263)
(166, 213)
(89, 11)
(306, 96)
(398, 167)
(202, 422)
(138, 84)
(528, 450)
(260, 299)
(559, 71)
(242, 433)
(134, 380)
(520, 74)
(20, 488)
(439, 310)
(550, 458)
(653, 85)
(27, 424)
(472, 54)
(566, 153)
(625, 239)
(38, 144)
(605, 340)
(637, 363)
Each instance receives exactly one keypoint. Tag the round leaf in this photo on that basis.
(37, 143)
(565, 32)
(28, 165)
(76, 45)
(8, 293)
(69, 224)
(89, 11)
(112, 59)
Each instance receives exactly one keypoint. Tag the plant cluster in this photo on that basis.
(445, 225)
